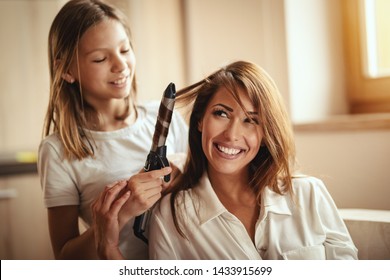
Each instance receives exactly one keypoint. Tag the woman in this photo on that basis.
(237, 197)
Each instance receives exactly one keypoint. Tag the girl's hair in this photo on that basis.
(68, 112)
(274, 161)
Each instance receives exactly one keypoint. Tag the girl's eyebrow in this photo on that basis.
(104, 48)
(231, 110)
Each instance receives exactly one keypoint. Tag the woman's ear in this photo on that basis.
(200, 125)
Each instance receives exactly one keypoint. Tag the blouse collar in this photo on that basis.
(211, 207)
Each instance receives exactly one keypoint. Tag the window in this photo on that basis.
(368, 84)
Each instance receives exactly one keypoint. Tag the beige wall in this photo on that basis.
(353, 164)
(181, 41)
(23, 71)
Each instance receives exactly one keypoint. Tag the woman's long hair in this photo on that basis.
(68, 112)
(272, 165)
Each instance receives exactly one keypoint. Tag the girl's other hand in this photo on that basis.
(105, 212)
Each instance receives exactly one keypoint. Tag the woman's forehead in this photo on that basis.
(225, 96)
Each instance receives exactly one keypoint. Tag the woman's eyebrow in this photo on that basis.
(224, 106)
(231, 110)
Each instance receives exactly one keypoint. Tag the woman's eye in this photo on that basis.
(220, 113)
(252, 121)
(125, 51)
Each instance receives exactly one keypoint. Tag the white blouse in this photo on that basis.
(308, 227)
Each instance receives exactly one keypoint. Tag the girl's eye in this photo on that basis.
(125, 51)
(99, 60)
(220, 113)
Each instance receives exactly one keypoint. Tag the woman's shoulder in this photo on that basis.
(183, 200)
(308, 185)
(306, 180)
(163, 207)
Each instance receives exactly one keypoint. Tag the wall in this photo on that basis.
(354, 165)
(297, 41)
(24, 232)
(23, 73)
(315, 59)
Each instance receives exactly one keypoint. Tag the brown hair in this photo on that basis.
(275, 158)
(67, 111)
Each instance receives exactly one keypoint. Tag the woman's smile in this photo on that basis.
(227, 151)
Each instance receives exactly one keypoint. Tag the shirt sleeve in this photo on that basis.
(58, 186)
(338, 243)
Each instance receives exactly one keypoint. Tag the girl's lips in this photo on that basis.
(120, 81)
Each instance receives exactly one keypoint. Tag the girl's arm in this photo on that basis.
(106, 221)
(67, 243)
(120, 202)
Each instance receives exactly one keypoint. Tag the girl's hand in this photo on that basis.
(145, 189)
(105, 211)
(176, 172)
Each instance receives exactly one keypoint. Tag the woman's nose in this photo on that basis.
(233, 130)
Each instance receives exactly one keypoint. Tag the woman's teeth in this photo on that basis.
(228, 151)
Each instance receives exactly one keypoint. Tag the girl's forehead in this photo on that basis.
(103, 34)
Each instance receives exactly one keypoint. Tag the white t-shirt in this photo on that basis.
(118, 155)
(309, 228)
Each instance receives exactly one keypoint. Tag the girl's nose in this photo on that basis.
(119, 64)
(233, 130)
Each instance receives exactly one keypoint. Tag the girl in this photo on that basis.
(96, 132)
(237, 198)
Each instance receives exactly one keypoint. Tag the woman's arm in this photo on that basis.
(338, 243)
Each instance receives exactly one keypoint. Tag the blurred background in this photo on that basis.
(337, 92)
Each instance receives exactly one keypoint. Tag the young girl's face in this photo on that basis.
(106, 63)
(230, 140)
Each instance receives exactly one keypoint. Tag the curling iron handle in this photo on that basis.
(157, 160)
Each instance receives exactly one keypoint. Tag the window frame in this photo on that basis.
(365, 94)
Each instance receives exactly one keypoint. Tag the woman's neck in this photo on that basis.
(238, 197)
(235, 188)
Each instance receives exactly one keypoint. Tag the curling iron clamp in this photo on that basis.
(156, 158)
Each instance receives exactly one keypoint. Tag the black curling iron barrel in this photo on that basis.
(156, 158)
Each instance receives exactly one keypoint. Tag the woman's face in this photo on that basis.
(230, 140)
(106, 63)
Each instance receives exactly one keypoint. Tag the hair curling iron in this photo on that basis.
(156, 158)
